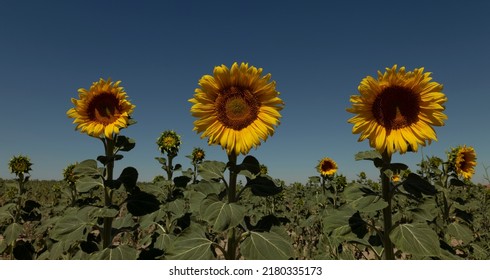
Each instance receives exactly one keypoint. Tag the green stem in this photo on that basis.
(107, 230)
(169, 167)
(387, 219)
(232, 196)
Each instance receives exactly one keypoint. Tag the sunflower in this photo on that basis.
(101, 110)
(236, 108)
(169, 141)
(19, 165)
(327, 167)
(198, 155)
(463, 160)
(397, 110)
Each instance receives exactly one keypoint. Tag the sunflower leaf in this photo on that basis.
(456, 182)
(251, 164)
(416, 185)
(209, 170)
(124, 143)
(263, 186)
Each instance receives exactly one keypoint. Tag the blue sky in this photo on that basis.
(316, 51)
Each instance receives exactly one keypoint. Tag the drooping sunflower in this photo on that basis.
(101, 110)
(463, 160)
(327, 167)
(397, 110)
(236, 108)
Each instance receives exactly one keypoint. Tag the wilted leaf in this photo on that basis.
(460, 232)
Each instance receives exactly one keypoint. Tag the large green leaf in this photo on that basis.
(140, 203)
(74, 226)
(263, 186)
(460, 232)
(12, 232)
(86, 183)
(192, 244)
(363, 199)
(209, 170)
(338, 220)
(220, 215)
(6, 212)
(209, 187)
(177, 207)
(87, 168)
(266, 246)
(121, 252)
(104, 212)
(418, 239)
(164, 241)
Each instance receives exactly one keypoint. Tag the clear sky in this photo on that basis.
(316, 51)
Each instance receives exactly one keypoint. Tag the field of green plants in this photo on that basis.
(434, 217)
(206, 209)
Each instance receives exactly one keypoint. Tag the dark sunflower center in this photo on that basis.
(396, 107)
(465, 164)
(237, 108)
(104, 108)
(326, 166)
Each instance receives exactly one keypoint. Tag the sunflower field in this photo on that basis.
(206, 209)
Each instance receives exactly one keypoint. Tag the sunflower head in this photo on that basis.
(19, 165)
(263, 169)
(395, 178)
(236, 108)
(462, 160)
(169, 142)
(197, 155)
(101, 110)
(327, 167)
(68, 174)
(397, 110)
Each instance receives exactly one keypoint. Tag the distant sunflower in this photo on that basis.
(327, 167)
(397, 110)
(19, 165)
(198, 155)
(236, 108)
(101, 110)
(464, 161)
(169, 141)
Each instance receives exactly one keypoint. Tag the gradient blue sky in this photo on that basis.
(316, 51)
